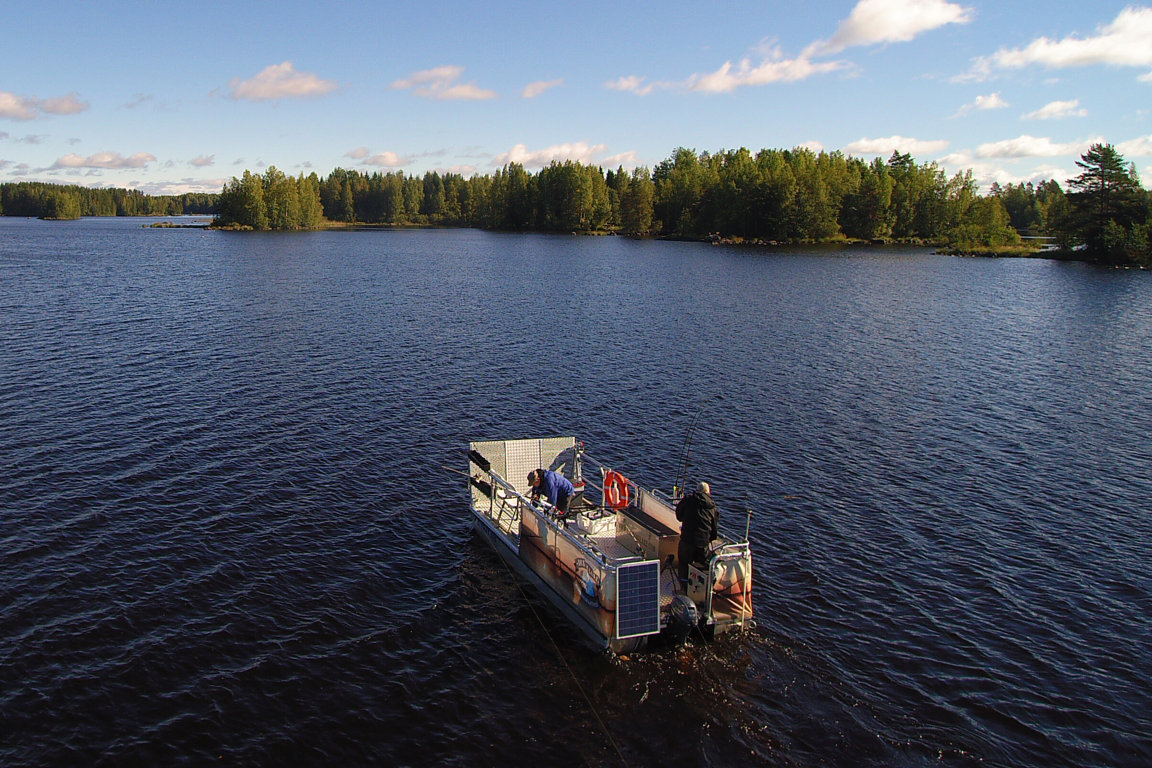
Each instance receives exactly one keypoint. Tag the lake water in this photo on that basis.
(226, 535)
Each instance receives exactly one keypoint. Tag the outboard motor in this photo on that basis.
(683, 617)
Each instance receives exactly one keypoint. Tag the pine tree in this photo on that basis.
(1107, 202)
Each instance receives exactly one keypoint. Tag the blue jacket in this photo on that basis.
(553, 485)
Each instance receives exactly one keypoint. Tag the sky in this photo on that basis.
(171, 98)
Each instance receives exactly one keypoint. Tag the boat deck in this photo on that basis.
(606, 542)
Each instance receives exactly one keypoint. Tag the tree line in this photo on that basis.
(69, 201)
(778, 195)
(774, 195)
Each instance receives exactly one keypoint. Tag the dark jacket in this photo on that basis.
(697, 514)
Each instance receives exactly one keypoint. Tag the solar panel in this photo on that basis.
(638, 599)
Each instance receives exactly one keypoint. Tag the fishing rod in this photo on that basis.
(682, 467)
(483, 486)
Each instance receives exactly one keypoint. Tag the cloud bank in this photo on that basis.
(890, 144)
(579, 151)
(1125, 42)
(1031, 146)
(891, 21)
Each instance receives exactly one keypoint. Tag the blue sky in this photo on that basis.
(170, 98)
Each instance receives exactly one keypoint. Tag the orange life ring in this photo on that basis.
(615, 490)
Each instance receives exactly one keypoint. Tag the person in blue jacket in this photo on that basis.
(554, 486)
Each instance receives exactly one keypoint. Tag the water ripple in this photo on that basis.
(226, 534)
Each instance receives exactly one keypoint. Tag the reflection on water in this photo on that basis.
(226, 531)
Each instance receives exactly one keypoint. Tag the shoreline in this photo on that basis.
(994, 252)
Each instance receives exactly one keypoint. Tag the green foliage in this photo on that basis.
(61, 201)
(776, 195)
(61, 206)
(1108, 211)
(773, 195)
(636, 202)
(984, 224)
(273, 201)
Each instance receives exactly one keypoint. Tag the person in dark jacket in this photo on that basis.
(557, 488)
(698, 516)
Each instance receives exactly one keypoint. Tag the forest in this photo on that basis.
(60, 201)
(774, 195)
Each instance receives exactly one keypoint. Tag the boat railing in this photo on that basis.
(730, 582)
(637, 491)
(634, 490)
(506, 505)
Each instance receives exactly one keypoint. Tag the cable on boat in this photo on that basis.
(560, 655)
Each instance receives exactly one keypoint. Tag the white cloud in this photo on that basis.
(579, 151)
(773, 69)
(1125, 42)
(890, 144)
(1030, 146)
(184, 186)
(28, 108)
(1056, 109)
(64, 105)
(871, 21)
(203, 161)
(629, 160)
(1145, 78)
(111, 160)
(992, 101)
(468, 91)
(440, 83)
(429, 77)
(891, 21)
(1141, 147)
(985, 172)
(280, 81)
(813, 146)
(985, 175)
(532, 90)
(358, 154)
(17, 107)
(632, 84)
(386, 160)
(463, 170)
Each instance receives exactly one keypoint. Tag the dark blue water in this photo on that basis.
(225, 533)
